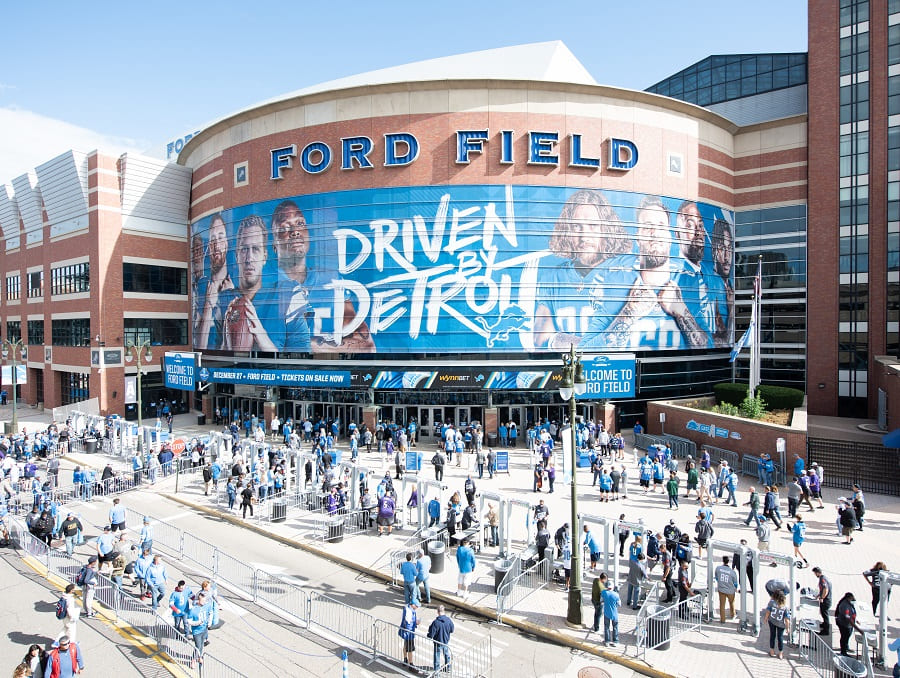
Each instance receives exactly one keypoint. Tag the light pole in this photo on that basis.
(10, 347)
(134, 351)
(572, 384)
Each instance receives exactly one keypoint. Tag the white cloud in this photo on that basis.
(30, 139)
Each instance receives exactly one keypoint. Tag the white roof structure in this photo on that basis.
(540, 62)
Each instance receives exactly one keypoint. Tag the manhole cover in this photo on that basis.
(593, 672)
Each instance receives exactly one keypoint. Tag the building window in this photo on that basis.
(159, 331)
(854, 11)
(13, 289)
(75, 387)
(70, 279)
(154, 279)
(35, 284)
(854, 101)
(71, 332)
(36, 332)
(13, 330)
(855, 53)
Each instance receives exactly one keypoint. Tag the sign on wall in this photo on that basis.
(178, 370)
(608, 376)
(468, 268)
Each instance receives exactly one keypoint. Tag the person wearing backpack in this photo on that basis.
(87, 580)
(777, 616)
(67, 612)
(704, 531)
(64, 660)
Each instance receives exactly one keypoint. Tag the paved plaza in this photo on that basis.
(536, 640)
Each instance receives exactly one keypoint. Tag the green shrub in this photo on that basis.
(732, 394)
(753, 408)
(780, 397)
(727, 408)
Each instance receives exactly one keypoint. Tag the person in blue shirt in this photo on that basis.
(216, 291)
(638, 429)
(722, 292)
(465, 560)
(798, 536)
(180, 604)
(591, 543)
(638, 301)
(146, 537)
(701, 287)
(799, 465)
(117, 515)
(156, 577)
(587, 233)
(305, 293)
(611, 604)
(198, 622)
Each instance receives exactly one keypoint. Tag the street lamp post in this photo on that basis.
(10, 347)
(133, 350)
(572, 384)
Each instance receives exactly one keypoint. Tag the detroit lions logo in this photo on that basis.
(511, 319)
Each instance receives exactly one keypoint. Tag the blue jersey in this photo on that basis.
(694, 283)
(611, 284)
(566, 294)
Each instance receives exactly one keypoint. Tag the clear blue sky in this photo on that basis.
(144, 73)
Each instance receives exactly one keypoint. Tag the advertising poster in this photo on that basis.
(464, 269)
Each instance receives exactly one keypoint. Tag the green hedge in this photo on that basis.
(775, 397)
(733, 394)
(781, 397)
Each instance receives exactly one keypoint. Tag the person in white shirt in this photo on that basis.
(70, 621)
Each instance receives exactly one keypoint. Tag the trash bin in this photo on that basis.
(437, 551)
(279, 510)
(335, 529)
(501, 567)
(492, 440)
(90, 445)
(658, 621)
(848, 667)
(201, 420)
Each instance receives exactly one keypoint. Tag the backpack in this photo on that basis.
(81, 576)
(681, 552)
(704, 530)
(62, 608)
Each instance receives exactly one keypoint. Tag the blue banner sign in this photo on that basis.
(502, 461)
(178, 371)
(242, 375)
(464, 269)
(413, 460)
(712, 430)
(608, 376)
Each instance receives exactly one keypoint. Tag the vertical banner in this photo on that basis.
(565, 434)
(130, 390)
(501, 459)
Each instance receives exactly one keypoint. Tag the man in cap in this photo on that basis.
(64, 660)
(69, 529)
(88, 586)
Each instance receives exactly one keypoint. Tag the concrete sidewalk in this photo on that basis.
(29, 602)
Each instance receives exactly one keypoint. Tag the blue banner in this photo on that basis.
(241, 375)
(413, 460)
(178, 371)
(464, 269)
(608, 376)
(502, 460)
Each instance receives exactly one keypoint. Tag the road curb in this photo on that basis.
(131, 635)
(448, 599)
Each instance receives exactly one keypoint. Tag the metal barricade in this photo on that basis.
(717, 455)
(750, 467)
(238, 574)
(282, 595)
(513, 591)
(200, 552)
(388, 643)
(816, 652)
(659, 625)
(345, 621)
